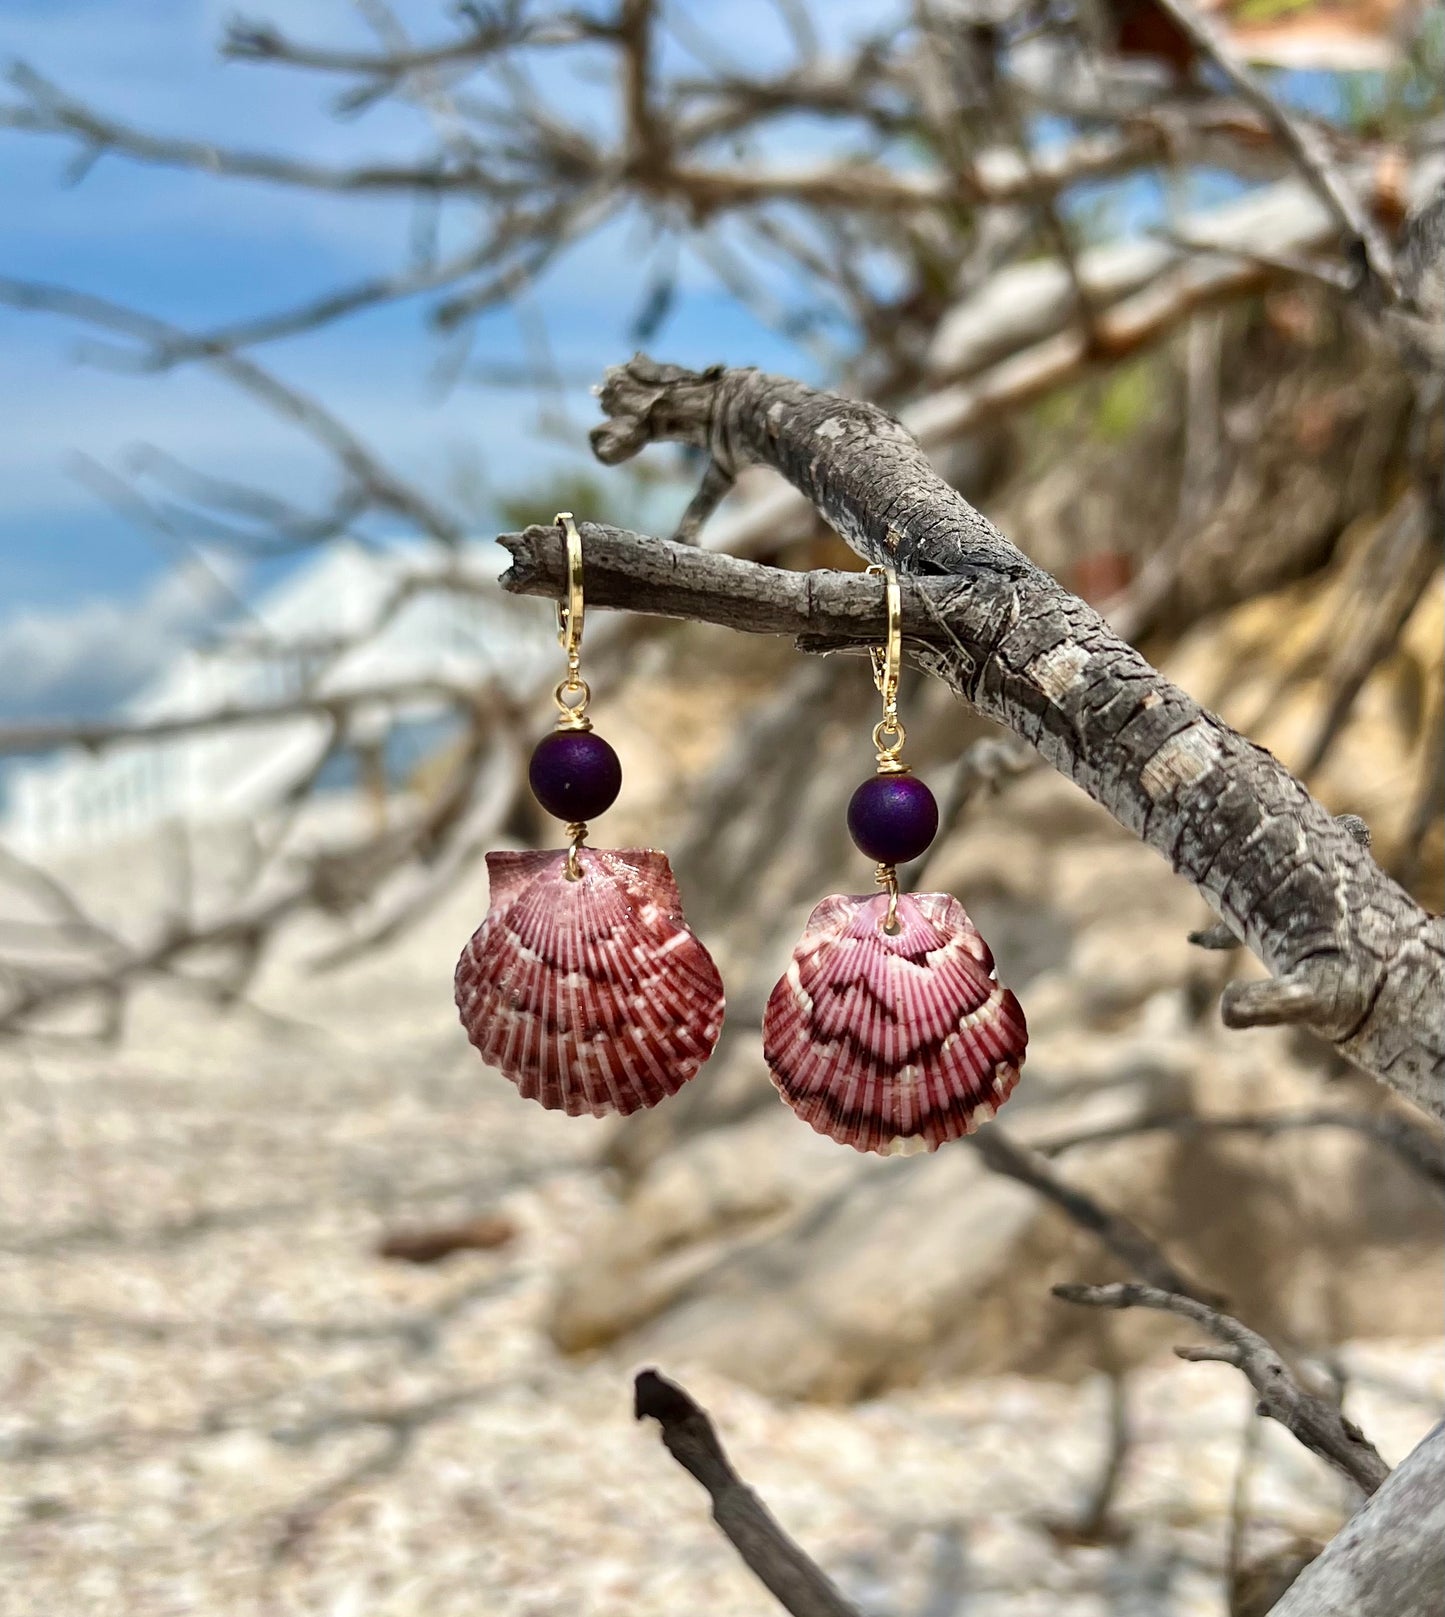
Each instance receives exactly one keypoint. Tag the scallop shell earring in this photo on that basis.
(584, 985)
(890, 1030)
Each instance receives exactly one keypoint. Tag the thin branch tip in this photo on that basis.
(1318, 1423)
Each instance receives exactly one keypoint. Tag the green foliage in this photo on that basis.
(1389, 104)
(1126, 398)
(1107, 408)
(1262, 11)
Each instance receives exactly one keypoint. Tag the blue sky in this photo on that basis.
(89, 603)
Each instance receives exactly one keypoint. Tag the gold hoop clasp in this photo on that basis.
(572, 694)
(887, 660)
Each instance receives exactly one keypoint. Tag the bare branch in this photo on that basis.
(333, 880)
(1011, 345)
(361, 464)
(796, 1582)
(332, 306)
(1414, 1143)
(260, 42)
(646, 142)
(714, 488)
(1303, 143)
(1176, 776)
(995, 177)
(1317, 1423)
(47, 111)
(240, 929)
(47, 734)
(658, 576)
(1004, 1155)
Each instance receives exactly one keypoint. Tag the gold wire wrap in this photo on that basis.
(576, 836)
(887, 663)
(572, 693)
(886, 876)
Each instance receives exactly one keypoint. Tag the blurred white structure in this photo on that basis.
(311, 634)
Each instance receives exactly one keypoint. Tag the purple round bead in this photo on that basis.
(892, 818)
(574, 774)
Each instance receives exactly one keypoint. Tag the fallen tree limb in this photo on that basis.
(1353, 956)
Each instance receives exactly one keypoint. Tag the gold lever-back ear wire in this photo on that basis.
(889, 734)
(888, 658)
(573, 693)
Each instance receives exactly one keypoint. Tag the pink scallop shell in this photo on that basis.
(592, 995)
(880, 1040)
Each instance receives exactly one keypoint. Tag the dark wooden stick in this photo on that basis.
(796, 1582)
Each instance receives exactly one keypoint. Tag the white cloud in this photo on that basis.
(86, 658)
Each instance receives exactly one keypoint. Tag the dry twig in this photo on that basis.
(1315, 1421)
(1304, 144)
(1002, 1154)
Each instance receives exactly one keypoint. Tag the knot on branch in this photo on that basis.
(647, 402)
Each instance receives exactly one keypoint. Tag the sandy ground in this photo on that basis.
(217, 1399)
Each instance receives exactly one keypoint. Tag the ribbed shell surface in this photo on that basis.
(592, 995)
(884, 1040)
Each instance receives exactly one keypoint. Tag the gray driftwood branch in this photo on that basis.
(1352, 955)
(797, 1583)
(1319, 1424)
